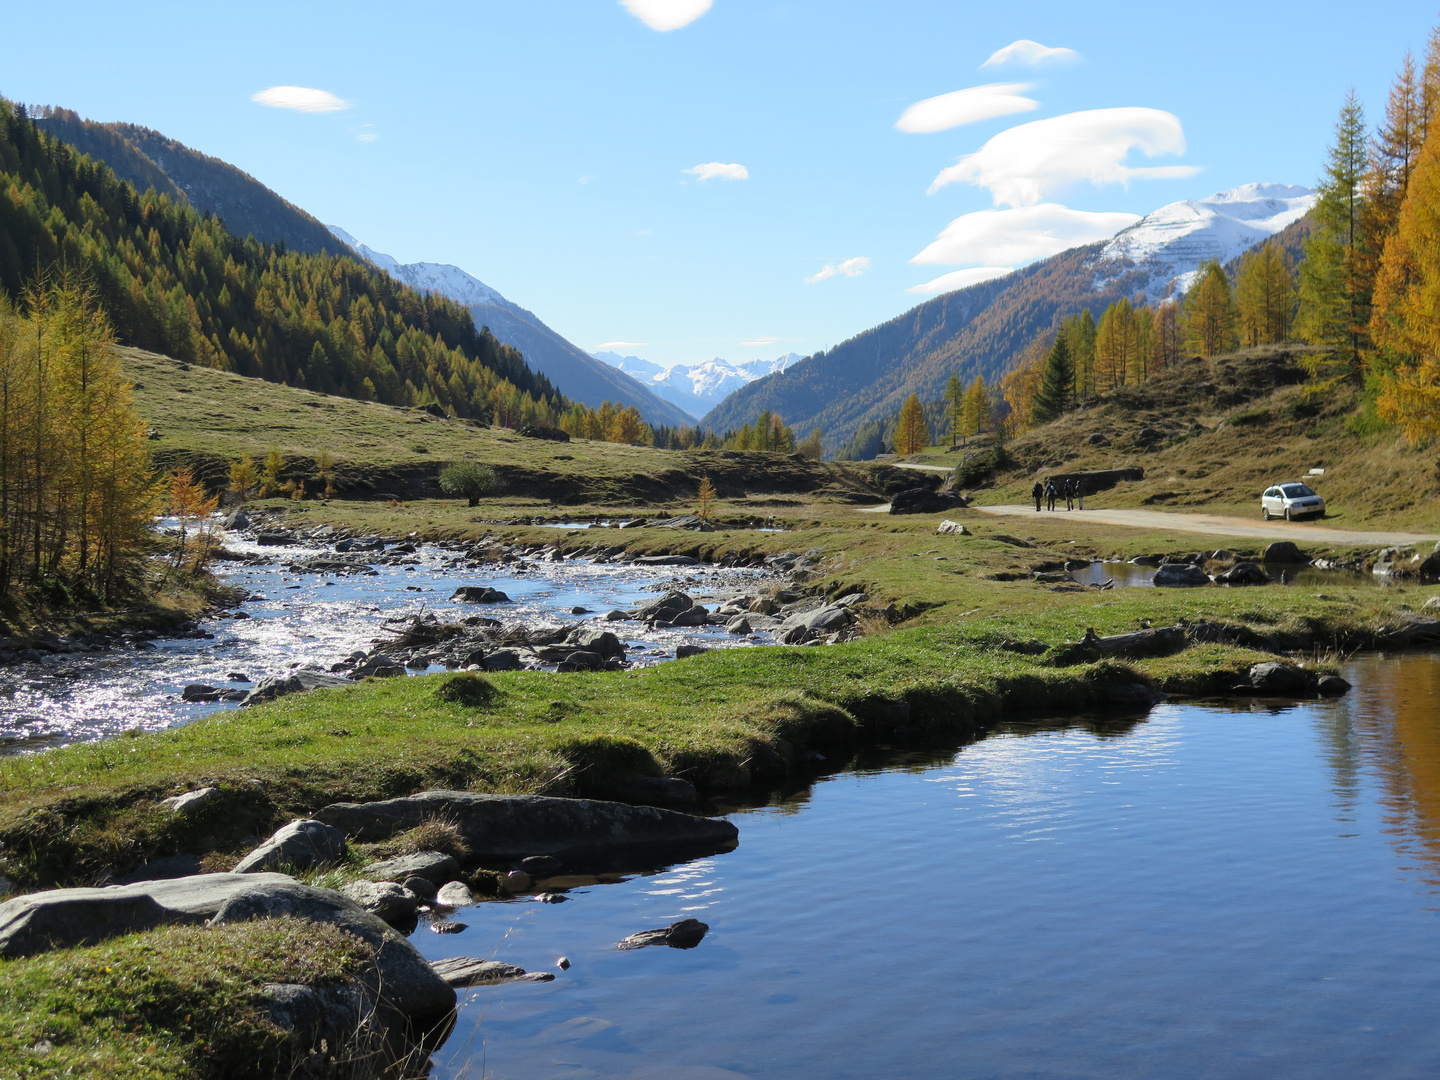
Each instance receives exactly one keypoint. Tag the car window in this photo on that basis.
(1272, 492)
(1296, 491)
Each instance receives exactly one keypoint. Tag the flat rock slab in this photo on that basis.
(434, 866)
(685, 934)
(63, 918)
(510, 827)
(461, 971)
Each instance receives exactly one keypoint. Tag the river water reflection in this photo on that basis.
(1212, 892)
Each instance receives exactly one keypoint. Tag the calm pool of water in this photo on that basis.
(1211, 892)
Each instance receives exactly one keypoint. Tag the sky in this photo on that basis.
(680, 179)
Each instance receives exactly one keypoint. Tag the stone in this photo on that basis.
(276, 538)
(502, 660)
(478, 594)
(66, 918)
(922, 500)
(954, 528)
(1180, 575)
(448, 926)
(1429, 569)
(580, 660)
(303, 844)
(191, 800)
(393, 903)
(1243, 573)
(822, 620)
(378, 667)
(601, 642)
(616, 615)
(685, 934)
(552, 434)
(1097, 438)
(436, 867)
(455, 894)
(200, 692)
(515, 881)
(420, 886)
(463, 971)
(1285, 680)
(300, 681)
(1332, 686)
(683, 651)
(739, 625)
(689, 522)
(666, 560)
(171, 866)
(563, 963)
(237, 521)
(406, 982)
(541, 865)
(1283, 551)
(513, 826)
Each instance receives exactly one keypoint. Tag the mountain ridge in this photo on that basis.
(697, 388)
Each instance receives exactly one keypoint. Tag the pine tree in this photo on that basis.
(912, 434)
(955, 397)
(1265, 296)
(1335, 286)
(1210, 312)
(1055, 395)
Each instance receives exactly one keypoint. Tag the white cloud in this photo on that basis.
(995, 238)
(1029, 53)
(585, 179)
(759, 343)
(608, 346)
(366, 133)
(663, 15)
(966, 107)
(301, 99)
(959, 279)
(1030, 162)
(849, 268)
(711, 169)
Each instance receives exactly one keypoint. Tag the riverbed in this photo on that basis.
(306, 619)
(1238, 891)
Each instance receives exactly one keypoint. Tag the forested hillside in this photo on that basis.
(174, 281)
(149, 159)
(978, 331)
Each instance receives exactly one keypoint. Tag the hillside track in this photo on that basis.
(1217, 525)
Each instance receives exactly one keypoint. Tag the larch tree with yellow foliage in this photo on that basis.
(912, 434)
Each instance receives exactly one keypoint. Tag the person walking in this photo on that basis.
(1080, 492)
(1050, 494)
(1037, 492)
(1069, 493)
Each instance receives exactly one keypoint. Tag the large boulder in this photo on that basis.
(1282, 680)
(1429, 569)
(1180, 575)
(922, 500)
(297, 682)
(500, 827)
(601, 642)
(1283, 551)
(479, 594)
(304, 845)
(1243, 573)
(389, 902)
(65, 918)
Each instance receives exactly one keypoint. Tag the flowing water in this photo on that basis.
(1218, 892)
(299, 619)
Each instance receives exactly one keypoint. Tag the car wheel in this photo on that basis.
(1265, 513)
(1287, 513)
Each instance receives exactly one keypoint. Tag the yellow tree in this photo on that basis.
(912, 434)
(975, 408)
(1021, 383)
(1210, 311)
(1265, 296)
(627, 427)
(1115, 345)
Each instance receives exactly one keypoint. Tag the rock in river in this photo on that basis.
(434, 866)
(479, 594)
(685, 934)
(1180, 575)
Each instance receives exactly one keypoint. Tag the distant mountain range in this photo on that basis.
(149, 159)
(983, 329)
(578, 375)
(696, 388)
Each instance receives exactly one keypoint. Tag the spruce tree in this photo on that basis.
(1335, 290)
(1055, 397)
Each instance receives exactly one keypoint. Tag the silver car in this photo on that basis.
(1291, 501)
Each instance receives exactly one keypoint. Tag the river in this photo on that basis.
(295, 619)
(1220, 891)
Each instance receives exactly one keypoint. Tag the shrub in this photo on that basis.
(467, 689)
(468, 480)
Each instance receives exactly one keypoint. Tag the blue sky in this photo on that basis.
(544, 146)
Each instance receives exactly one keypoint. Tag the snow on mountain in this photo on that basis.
(1176, 240)
(443, 278)
(696, 388)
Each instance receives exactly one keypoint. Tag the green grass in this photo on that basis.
(176, 1002)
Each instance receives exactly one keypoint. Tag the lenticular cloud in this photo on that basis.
(301, 99)
(663, 15)
(1035, 161)
(997, 238)
(966, 107)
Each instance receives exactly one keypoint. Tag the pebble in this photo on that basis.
(448, 926)
(563, 963)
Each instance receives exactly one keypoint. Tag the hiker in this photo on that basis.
(1080, 492)
(1050, 493)
(1069, 493)
(1037, 492)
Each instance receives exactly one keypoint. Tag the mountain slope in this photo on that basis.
(982, 329)
(149, 159)
(580, 376)
(696, 388)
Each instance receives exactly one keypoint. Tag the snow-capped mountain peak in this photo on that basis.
(699, 387)
(1176, 240)
(443, 278)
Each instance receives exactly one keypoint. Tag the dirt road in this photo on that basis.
(1216, 525)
